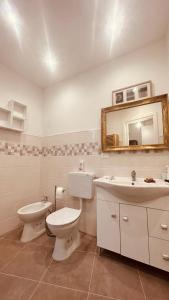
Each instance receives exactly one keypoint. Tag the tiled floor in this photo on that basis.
(27, 272)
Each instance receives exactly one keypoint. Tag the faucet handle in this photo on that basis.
(45, 198)
(133, 172)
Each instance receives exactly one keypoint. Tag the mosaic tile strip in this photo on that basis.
(57, 150)
(72, 149)
(19, 149)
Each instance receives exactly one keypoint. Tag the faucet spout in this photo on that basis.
(45, 199)
(133, 175)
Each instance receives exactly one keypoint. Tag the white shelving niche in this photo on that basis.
(5, 118)
(13, 117)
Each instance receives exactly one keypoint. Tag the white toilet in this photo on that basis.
(64, 222)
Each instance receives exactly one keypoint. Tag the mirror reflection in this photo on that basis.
(139, 125)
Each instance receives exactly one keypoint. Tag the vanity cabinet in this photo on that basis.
(159, 253)
(134, 233)
(158, 223)
(108, 230)
(139, 230)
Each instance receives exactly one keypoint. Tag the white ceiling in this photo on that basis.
(49, 40)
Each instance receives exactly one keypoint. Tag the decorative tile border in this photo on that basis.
(19, 149)
(57, 150)
(72, 149)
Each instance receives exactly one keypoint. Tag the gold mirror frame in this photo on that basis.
(164, 101)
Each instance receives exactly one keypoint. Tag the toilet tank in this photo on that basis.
(81, 184)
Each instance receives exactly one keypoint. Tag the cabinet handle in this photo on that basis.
(163, 226)
(165, 257)
(125, 219)
(113, 215)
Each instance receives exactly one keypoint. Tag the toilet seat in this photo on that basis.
(63, 216)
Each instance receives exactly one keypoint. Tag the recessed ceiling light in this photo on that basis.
(114, 24)
(50, 61)
(10, 14)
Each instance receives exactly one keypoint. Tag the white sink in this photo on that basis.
(137, 190)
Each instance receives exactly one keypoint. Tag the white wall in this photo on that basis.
(19, 174)
(75, 104)
(15, 87)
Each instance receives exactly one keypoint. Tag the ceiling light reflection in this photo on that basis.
(114, 24)
(11, 16)
(49, 58)
(50, 61)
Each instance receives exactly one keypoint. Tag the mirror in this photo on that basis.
(137, 125)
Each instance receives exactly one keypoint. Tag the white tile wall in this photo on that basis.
(23, 179)
(54, 170)
(19, 185)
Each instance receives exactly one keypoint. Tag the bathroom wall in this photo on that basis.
(69, 101)
(72, 124)
(19, 153)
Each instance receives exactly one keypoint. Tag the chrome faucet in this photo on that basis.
(133, 175)
(45, 199)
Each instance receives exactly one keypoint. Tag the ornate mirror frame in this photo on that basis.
(164, 101)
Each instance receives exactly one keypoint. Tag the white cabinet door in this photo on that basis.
(134, 233)
(159, 253)
(108, 233)
(158, 223)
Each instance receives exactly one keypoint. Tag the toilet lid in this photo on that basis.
(63, 216)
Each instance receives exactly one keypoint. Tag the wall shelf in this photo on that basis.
(14, 117)
(5, 117)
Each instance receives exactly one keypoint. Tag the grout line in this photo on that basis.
(106, 297)
(17, 276)
(34, 290)
(52, 284)
(64, 287)
(141, 284)
(11, 260)
(91, 276)
(83, 251)
(40, 280)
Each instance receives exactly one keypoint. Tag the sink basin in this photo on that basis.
(137, 190)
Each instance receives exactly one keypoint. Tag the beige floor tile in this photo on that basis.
(13, 288)
(30, 262)
(8, 250)
(116, 278)
(74, 272)
(88, 243)
(155, 283)
(49, 292)
(14, 234)
(45, 240)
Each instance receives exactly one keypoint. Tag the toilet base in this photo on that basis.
(33, 230)
(64, 247)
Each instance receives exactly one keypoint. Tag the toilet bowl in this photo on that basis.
(63, 223)
(33, 217)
